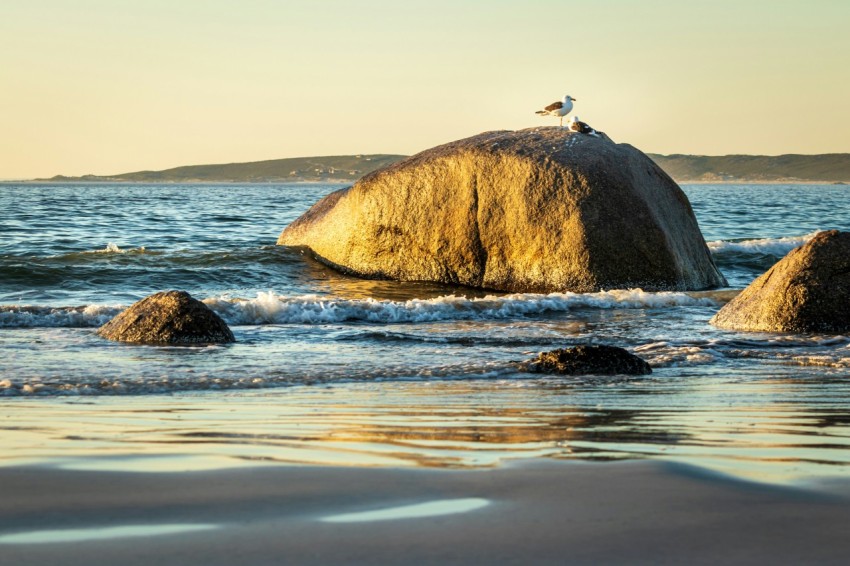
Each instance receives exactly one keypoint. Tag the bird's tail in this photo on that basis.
(541, 112)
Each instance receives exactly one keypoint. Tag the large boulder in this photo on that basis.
(583, 360)
(542, 209)
(169, 317)
(806, 291)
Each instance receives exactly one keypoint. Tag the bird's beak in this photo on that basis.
(575, 98)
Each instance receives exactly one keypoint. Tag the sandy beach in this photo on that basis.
(362, 475)
(541, 513)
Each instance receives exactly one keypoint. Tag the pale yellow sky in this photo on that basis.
(110, 86)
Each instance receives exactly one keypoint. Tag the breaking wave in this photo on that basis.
(269, 308)
(777, 247)
(63, 317)
(112, 248)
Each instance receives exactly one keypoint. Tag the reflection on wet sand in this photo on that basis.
(100, 533)
(772, 428)
(414, 511)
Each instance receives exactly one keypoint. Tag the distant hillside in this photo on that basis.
(333, 168)
(826, 168)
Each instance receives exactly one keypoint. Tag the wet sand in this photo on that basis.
(539, 513)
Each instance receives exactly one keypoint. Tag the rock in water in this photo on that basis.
(169, 317)
(584, 360)
(536, 210)
(806, 291)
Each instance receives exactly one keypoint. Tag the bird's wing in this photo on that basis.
(554, 106)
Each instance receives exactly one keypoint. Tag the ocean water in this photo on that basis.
(328, 368)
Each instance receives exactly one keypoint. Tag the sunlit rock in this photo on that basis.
(806, 291)
(542, 209)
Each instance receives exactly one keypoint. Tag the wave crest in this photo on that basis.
(269, 308)
(777, 247)
(62, 317)
(112, 248)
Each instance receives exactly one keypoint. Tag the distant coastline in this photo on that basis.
(327, 169)
(792, 168)
(832, 168)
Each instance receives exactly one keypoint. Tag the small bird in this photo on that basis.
(560, 108)
(582, 128)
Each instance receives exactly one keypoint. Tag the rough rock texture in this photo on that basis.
(169, 317)
(806, 291)
(542, 209)
(582, 360)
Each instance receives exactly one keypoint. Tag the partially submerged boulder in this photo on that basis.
(168, 317)
(535, 210)
(806, 291)
(589, 360)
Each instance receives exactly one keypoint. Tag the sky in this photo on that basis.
(112, 86)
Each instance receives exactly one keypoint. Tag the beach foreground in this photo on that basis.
(540, 513)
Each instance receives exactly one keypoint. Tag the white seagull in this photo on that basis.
(560, 108)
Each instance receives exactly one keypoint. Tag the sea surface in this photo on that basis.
(328, 368)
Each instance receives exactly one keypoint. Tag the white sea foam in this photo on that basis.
(113, 248)
(822, 360)
(63, 317)
(666, 355)
(268, 308)
(768, 246)
(154, 382)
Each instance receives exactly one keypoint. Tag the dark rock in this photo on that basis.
(806, 291)
(536, 210)
(168, 317)
(582, 360)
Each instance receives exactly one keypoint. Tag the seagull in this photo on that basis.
(560, 108)
(582, 128)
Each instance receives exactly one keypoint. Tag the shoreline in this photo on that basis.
(351, 181)
(532, 513)
(467, 424)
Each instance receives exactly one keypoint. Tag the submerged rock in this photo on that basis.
(168, 317)
(806, 291)
(535, 210)
(584, 360)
